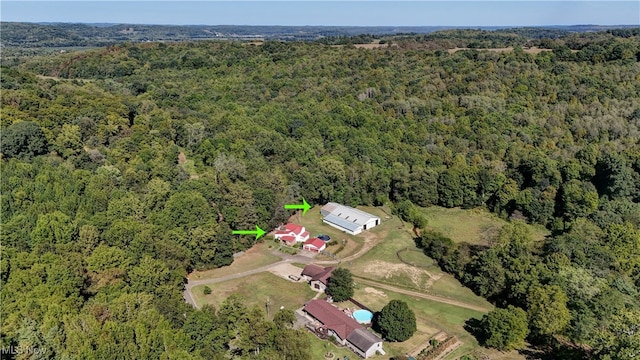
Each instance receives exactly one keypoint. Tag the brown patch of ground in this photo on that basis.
(182, 158)
(386, 270)
(370, 290)
(285, 269)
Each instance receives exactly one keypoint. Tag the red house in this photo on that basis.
(314, 245)
(292, 233)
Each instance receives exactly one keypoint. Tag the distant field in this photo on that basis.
(475, 226)
(255, 290)
(532, 50)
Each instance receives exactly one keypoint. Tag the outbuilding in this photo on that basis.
(348, 219)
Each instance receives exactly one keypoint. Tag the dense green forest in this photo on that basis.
(126, 167)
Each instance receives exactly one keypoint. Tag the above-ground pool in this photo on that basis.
(363, 316)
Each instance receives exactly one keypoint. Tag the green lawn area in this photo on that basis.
(257, 256)
(255, 290)
(320, 347)
(475, 226)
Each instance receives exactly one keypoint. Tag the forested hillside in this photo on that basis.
(124, 168)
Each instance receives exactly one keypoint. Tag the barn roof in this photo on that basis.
(342, 222)
(347, 214)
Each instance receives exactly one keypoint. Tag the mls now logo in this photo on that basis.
(18, 350)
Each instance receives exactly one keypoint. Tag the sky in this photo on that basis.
(333, 13)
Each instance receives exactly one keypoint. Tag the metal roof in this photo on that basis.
(348, 213)
(363, 339)
(346, 224)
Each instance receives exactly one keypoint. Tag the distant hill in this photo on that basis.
(88, 35)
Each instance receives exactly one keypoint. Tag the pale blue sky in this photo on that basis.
(348, 13)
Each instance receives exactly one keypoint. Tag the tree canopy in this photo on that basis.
(396, 321)
(505, 328)
(340, 285)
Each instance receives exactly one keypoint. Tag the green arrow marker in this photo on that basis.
(257, 232)
(304, 206)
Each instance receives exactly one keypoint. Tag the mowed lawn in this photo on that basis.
(475, 226)
(257, 289)
(255, 257)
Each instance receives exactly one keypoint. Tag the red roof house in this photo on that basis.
(289, 240)
(295, 231)
(314, 245)
(331, 318)
(345, 329)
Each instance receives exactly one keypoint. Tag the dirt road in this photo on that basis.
(422, 295)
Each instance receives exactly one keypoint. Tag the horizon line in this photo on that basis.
(307, 25)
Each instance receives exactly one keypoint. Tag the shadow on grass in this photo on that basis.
(474, 327)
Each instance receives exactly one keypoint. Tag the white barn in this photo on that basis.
(348, 219)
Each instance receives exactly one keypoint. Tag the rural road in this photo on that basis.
(422, 295)
(191, 283)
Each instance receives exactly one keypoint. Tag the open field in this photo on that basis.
(257, 256)
(255, 290)
(475, 226)
(383, 264)
(431, 317)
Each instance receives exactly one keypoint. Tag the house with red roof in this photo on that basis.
(291, 234)
(344, 328)
(314, 245)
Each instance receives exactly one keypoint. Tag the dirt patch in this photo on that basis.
(284, 270)
(433, 279)
(182, 158)
(386, 270)
(370, 290)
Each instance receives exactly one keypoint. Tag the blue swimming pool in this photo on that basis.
(363, 316)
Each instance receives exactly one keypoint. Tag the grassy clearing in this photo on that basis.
(255, 290)
(475, 226)
(383, 264)
(257, 256)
